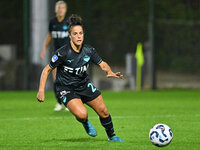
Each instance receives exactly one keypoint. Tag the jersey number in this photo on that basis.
(92, 87)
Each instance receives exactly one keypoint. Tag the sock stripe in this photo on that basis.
(106, 123)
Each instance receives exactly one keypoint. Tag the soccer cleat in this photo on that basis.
(115, 139)
(58, 107)
(90, 129)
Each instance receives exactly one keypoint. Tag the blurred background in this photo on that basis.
(168, 30)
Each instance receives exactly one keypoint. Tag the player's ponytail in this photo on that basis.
(74, 20)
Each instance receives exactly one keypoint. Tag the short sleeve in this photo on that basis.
(56, 60)
(50, 26)
(95, 58)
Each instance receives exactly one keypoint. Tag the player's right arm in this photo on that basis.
(43, 79)
(46, 44)
(56, 60)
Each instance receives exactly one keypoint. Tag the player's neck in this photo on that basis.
(60, 18)
(76, 48)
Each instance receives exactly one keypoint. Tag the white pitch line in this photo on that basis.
(96, 117)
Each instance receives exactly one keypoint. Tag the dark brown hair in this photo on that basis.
(74, 20)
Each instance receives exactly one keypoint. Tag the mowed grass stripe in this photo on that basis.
(28, 124)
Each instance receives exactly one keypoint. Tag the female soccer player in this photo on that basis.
(73, 84)
(58, 31)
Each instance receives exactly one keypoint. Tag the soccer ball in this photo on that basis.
(160, 135)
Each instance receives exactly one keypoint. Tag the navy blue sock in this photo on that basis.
(84, 122)
(54, 89)
(108, 125)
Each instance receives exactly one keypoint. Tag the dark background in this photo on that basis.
(115, 28)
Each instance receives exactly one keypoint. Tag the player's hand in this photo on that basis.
(40, 96)
(115, 75)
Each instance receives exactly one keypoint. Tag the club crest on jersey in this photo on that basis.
(86, 58)
(65, 27)
(54, 58)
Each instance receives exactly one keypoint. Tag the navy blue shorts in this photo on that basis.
(86, 92)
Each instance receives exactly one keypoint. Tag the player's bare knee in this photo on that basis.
(82, 116)
(104, 112)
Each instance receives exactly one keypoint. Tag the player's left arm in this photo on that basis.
(96, 59)
(105, 67)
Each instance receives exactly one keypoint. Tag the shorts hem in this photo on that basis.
(70, 100)
(92, 98)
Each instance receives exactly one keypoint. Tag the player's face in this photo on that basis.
(77, 35)
(61, 10)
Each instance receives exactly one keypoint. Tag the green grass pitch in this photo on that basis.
(27, 124)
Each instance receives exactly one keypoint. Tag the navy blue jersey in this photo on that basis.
(59, 32)
(72, 66)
